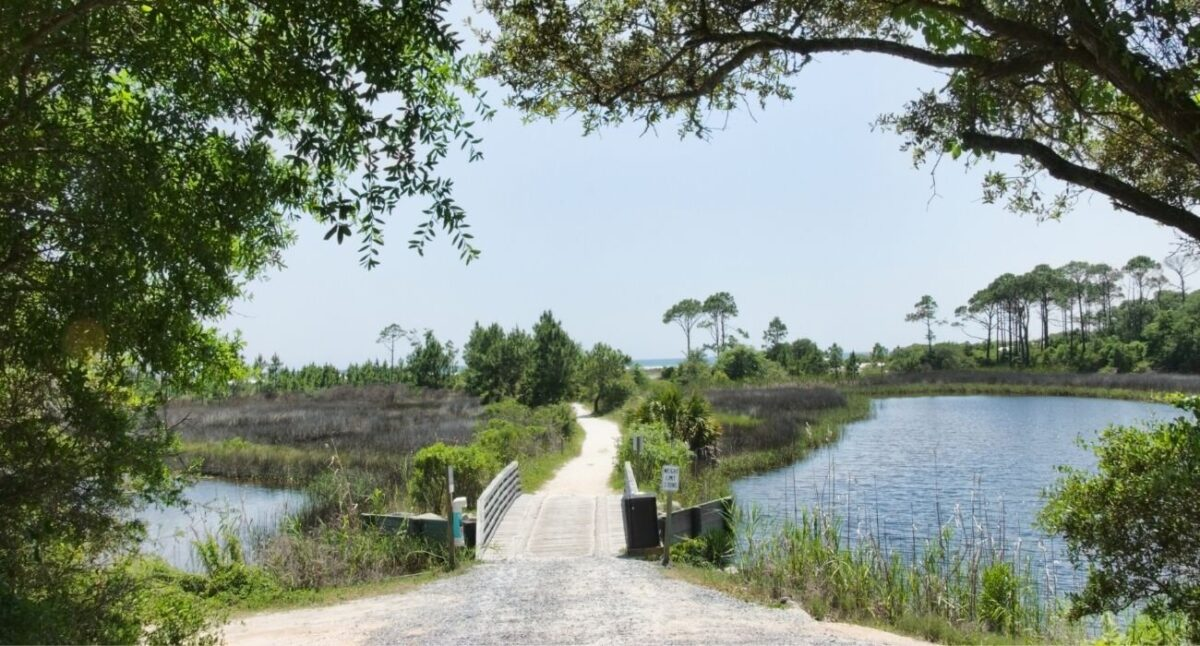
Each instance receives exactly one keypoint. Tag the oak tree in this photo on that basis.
(1104, 96)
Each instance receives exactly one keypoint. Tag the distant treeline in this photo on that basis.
(1085, 317)
(1081, 317)
(537, 368)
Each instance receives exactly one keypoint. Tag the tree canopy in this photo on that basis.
(687, 314)
(151, 155)
(554, 362)
(925, 311)
(1104, 96)
(604, 377)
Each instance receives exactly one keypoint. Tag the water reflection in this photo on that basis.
(211, 507)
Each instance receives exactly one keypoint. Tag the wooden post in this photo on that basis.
(450, 518)
(667, 539)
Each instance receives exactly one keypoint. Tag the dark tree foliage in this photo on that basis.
(555, 363)
(604, 377)
(431, 363)
(497, 363)
(742, 362)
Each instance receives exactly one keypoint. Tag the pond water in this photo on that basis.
(978, 464)
(211, 507)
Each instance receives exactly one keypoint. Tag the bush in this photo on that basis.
(345, 553)
(943, 356)
(694, 371)
(658, 448)
(507, 440)
(689, 419)
(1144, 629)
(1135, 518)
(473, 467)
(713, 549)
(1123, 356)
(132, 599)
(614, 394)
(742, 363)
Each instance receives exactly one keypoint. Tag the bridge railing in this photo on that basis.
(630, 480)
(494, 502)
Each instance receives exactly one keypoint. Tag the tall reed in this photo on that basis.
(943, 589)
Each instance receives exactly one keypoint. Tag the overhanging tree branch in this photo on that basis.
(1123, 194)
(763, 42)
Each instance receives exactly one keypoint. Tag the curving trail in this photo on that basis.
(551, 577)
(574, 514)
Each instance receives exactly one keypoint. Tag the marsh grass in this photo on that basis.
(290, 439)
(392, 419)
(769, 428)
(765, 418)
(1142, 386)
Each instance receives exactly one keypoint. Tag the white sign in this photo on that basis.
(670, 478)
(450, 475)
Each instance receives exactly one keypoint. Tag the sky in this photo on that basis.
(800, 211)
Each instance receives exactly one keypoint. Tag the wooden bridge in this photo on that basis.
(574, 515)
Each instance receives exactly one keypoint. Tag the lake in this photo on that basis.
(923, 462)
(211, 506)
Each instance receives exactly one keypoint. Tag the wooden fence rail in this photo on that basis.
(494, 502)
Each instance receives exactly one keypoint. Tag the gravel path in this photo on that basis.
(594, 601)
(552, 601)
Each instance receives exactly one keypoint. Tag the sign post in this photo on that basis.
(669, 484)
(450, 517)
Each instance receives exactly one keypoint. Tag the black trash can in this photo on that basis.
(641, 521)
(468, 525)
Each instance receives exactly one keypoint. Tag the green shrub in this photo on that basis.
(507, 440)
(1144, 629)
(690, 418)
(1127, 516)
(613, 394)
(638, 375)
(713, 549)
(1123, 356)
(132, 599)
(658, 448)
(346, 553)
(742, 363)
(473, 467)
(917, 358)
(229, 578)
